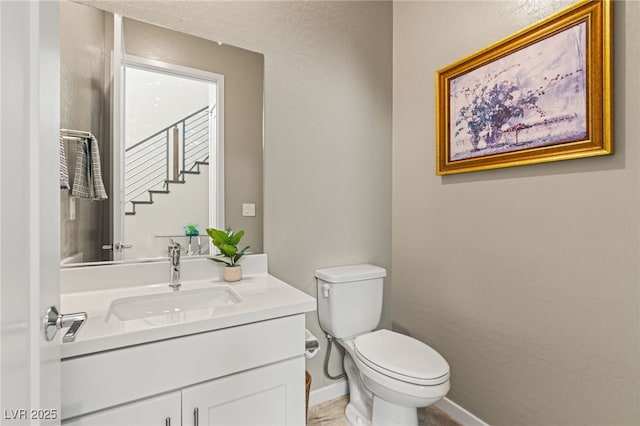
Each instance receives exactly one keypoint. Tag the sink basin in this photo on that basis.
(170, 307)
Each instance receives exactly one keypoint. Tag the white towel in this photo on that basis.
(64, 172)
(87, 182)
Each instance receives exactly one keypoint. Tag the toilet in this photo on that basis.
(390, 375)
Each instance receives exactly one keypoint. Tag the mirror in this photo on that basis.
(86, 74)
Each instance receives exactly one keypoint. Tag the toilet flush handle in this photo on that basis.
(325, 290)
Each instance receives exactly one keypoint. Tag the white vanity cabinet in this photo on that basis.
(249, 374)
(256, 397)
(164, 410)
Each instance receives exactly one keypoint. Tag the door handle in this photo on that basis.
(117, 246)
(53, 321)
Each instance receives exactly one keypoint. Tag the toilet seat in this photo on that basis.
(401, 357)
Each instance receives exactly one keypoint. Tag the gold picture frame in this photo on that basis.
(543, 94)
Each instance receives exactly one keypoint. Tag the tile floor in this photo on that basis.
(331, 413)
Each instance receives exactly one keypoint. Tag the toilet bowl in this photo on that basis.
(390, 375)
(393, 375)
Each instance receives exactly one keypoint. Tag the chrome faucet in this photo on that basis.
(174, 265)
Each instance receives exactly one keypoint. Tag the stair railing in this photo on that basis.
(165, 156)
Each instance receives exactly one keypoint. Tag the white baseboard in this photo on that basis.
(327, 393)
(459, 414)
(341, 388)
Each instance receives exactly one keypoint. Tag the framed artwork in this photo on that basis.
(543, 94)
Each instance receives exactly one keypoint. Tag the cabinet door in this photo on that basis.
(163, 410)
(271, 395)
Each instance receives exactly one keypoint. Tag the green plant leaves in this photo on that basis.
(227, 242)
(240, 254)
(228, 250)
(215, 259)
(235, 239)
(219, 238)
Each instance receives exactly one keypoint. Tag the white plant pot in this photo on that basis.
(232, 273)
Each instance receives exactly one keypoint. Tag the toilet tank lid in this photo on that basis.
(349, 273)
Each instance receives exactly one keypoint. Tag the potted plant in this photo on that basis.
(227, 242)
(191, 230)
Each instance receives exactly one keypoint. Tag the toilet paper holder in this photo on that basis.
(311, 344)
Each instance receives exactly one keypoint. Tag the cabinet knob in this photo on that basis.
(167, 421)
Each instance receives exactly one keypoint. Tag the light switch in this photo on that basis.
(248, 209)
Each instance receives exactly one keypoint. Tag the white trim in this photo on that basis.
(169, 68)
(327, 393)
(459, 414)
(216, 163)
(117, 136)
(341, 388)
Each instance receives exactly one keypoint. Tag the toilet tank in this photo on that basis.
(350, 299)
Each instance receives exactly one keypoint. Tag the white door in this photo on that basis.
(29, 211)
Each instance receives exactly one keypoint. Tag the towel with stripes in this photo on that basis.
(87, 182)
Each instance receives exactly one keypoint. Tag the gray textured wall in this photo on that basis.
(82, 93)
(526, 279)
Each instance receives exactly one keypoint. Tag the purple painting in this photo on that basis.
(536, 96)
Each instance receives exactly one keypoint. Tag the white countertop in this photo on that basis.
(264, 297)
